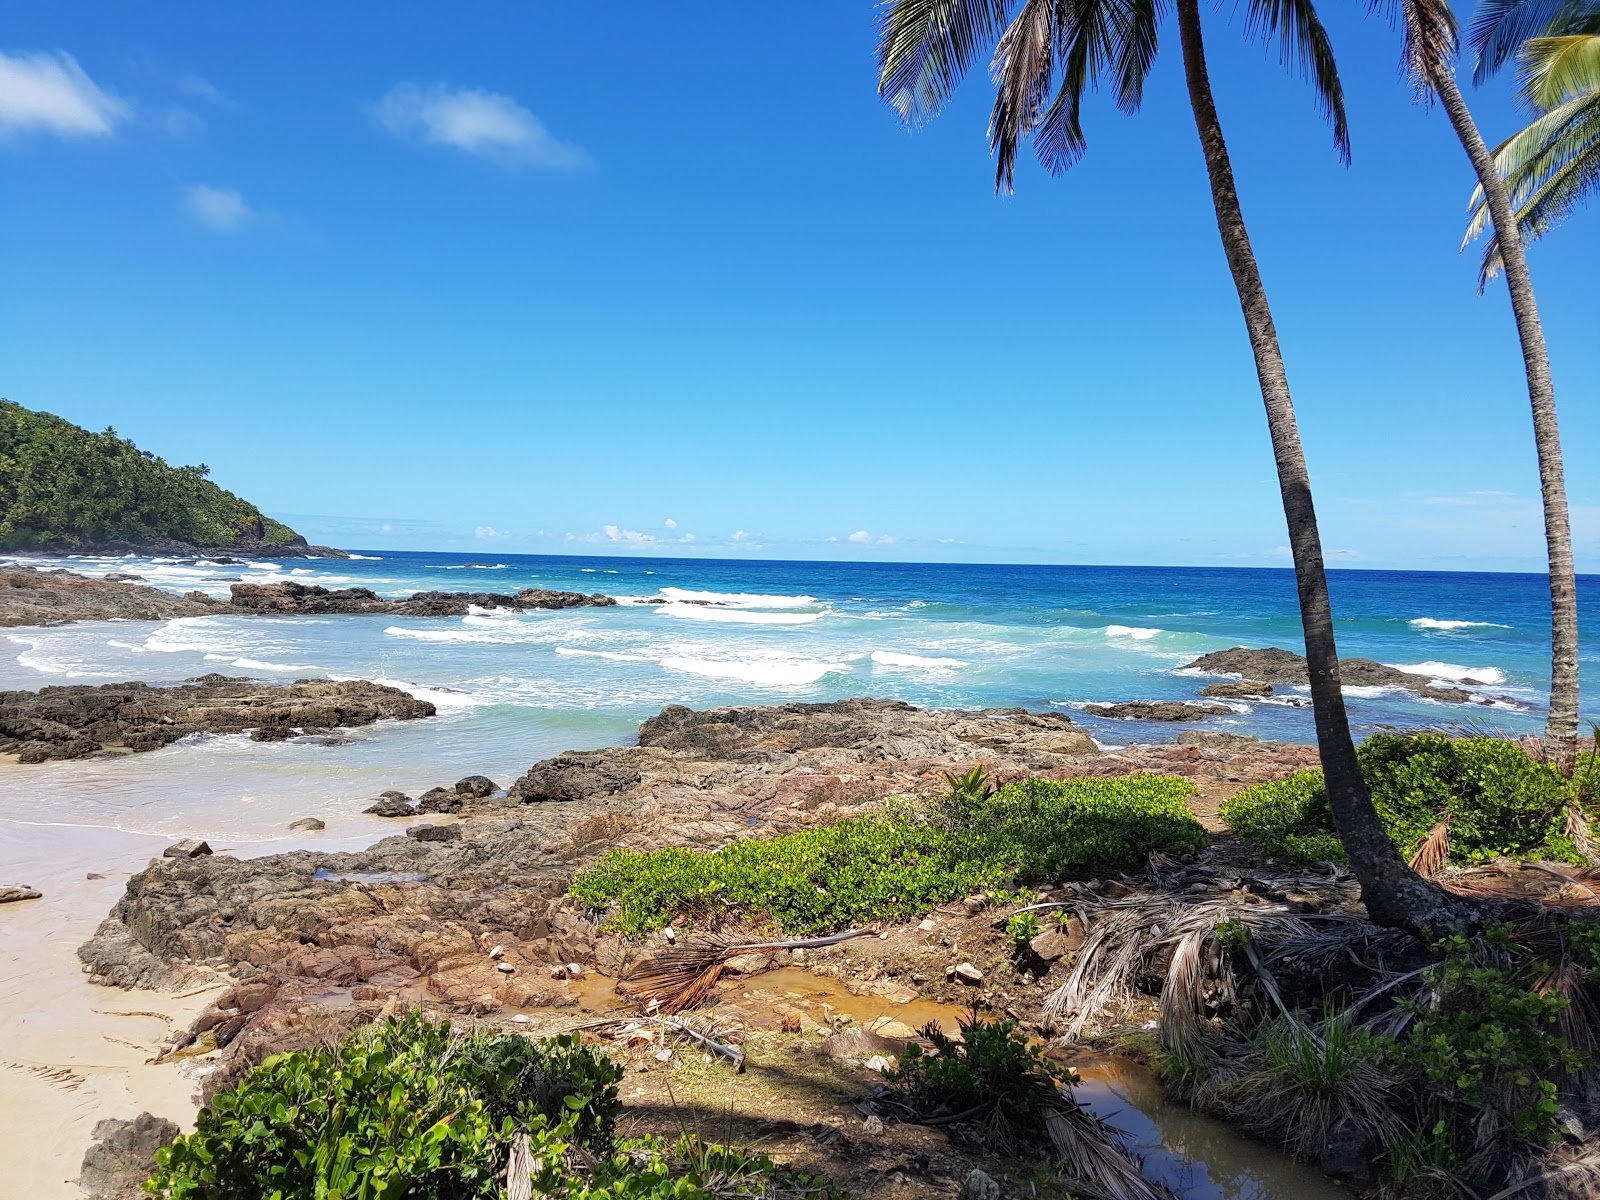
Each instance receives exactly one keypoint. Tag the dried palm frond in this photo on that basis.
(1576, 827)
(1093, 1157)
(1435, 848)
(1574, 1178)
(519, 1169)
(684, 976)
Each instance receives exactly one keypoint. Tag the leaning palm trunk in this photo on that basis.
(1394, 895)
(1430, 47)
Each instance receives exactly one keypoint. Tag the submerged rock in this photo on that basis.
(290, 597)
(392, 804)
(71, 722)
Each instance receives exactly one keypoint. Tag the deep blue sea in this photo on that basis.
(512, 688)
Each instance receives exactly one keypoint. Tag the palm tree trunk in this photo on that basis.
(1561, 729)
(1394, 894)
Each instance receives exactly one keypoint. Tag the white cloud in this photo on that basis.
(860, 535)
(628, 537)
(50, 93)
(488, 533)
(670, 523)
(220, 209)
(740, 535)
(487, 124)
(688, 537)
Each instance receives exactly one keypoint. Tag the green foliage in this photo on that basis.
(1286, 819)
(409, 1109)
(62, 487)
(1022, 929)
(900, 863)
(1498, 802)
(1486, 1038)
(991, 1069)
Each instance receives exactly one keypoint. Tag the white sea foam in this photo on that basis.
(37, 659)
(613, 655)
(891, 658)
(737, 616)
(763, 673)
(368, 557)
(739, 599)
(1432, 623)
(255, 664)
(1455, 674)
(1131, 631)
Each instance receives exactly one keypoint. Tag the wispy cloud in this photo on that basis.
(52, 94)
(487, 124)
(488, 533)
(860, 535)
(221, 210)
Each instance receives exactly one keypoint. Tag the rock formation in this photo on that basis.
(71, 722)
(29, 597)
(1273, 665)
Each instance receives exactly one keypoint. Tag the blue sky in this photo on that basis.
(675, 281)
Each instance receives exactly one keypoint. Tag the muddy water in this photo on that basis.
(1195, 1156)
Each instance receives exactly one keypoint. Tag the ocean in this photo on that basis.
(513, 688)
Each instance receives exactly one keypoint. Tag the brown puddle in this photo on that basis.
(1197, 1157)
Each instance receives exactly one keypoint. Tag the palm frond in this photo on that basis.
(1433, 852)
(1500, 27)
(1429, 50)
(1023, 66)
(1553, 70)
(1093, 1157)
(1136, 43)
(925, 48)
(1550, 167)
(1576, 827)
(1303, 42)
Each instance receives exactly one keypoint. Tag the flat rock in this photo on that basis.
(29, 597)
(967, 973)
(1058, 941)
(186, 848)
(1157, 710)
(308, 824)
(1241, 689)
(1217, 739)
(72, 722)
(10, 893)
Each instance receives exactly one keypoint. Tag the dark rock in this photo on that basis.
(272, 733)
(1058, 941)
(1157, 710)
(186, 848)
(978, 1185)
(122, 1156)
(392, 804)
(1348, 1154)
(1239, 690)
(307, 824)
(574, 777)
(479, 787)
(71, 722)
(1216, 739)
(434, 833)
(30, 597)
(1283, 666)
(438, 800)
(545, 598)
(10, 893)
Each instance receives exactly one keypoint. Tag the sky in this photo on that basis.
(675, 281)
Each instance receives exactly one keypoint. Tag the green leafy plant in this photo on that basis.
(902, 862)
(1496, 799)
(1022, 928)
(411, 1109)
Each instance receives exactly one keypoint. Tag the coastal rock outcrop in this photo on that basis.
(1273, 665)
(29, 597)
(290, 597)
(1156, 710)
(71, 722)
(122, 1156)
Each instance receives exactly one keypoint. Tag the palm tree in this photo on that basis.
(1430, 51)
(1043, 61)
(1554, 163)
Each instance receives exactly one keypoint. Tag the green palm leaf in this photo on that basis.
(1553, 70)
(1500, 28)
(1303, 42)
(925, 48)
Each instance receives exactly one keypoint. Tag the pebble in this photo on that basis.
(926, 926)
(507, 968)
(967, 973)
(497, 951)
(872, 1126)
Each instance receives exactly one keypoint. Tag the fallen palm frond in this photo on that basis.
(1577, 1178)
(1433, 852)
(684, 975)
(1094, 1159)
(1576, 827)
(519, 1169)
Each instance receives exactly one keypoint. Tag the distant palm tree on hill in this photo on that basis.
(1043, 61)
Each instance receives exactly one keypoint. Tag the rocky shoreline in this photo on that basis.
(77, 721)
(32, 597)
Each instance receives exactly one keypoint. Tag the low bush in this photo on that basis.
(900, 863)
(1497, 800)
(412, 1109)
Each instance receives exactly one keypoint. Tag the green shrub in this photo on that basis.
(1498, 802)
(1022, 928)
(900, 863)
(409, 1109)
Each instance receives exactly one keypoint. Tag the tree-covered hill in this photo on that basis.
(64, 488)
